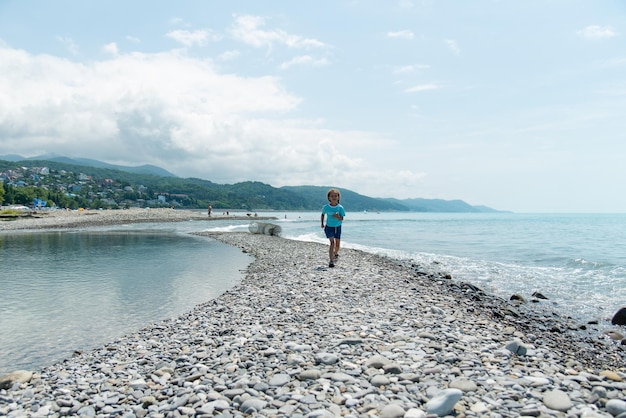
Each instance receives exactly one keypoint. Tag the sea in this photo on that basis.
(65, 291)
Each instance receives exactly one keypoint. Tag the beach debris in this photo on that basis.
(264, 228)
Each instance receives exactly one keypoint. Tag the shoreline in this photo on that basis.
(62, 219)
(371, 336)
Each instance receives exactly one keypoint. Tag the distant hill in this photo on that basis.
(351, 200)
(142, 169)
(357, 202)
(11, 157)
(439, 205)
(251, 195)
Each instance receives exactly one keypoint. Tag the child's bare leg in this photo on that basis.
(337, 245)
(331, 249)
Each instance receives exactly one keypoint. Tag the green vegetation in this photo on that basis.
(10, 212)
(74, 186)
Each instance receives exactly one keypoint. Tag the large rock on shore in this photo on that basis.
(619, 318)
(18, 376)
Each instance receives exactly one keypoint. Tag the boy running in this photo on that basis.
(334, 213)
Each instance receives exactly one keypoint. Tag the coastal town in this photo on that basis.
(43, 187)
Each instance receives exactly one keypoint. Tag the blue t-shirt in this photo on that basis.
(328, 210)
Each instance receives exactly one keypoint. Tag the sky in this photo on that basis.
(515, 105)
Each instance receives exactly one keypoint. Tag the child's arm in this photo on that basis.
(322, 219)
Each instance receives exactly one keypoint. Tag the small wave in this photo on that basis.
(292, 220)
(228, 228)
(308, 237)
(589, 264)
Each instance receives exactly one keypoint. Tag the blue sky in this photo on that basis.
(517, 105)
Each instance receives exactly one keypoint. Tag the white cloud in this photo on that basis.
(405, 4)
(422, 87)
(304, 60)
(69, 43)
(229, 55)
(136, 96)
(176, 112)
(250, 30)
(111, 48)
(191, 38)
(453, 46)
(388, 183)
(597, 32)
(403, 34)
(409, 69)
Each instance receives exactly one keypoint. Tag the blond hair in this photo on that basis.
(333, 191)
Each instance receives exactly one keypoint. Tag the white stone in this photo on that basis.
(280, 379)
(392, 411)
(557, 400)
(443, 403)
(415, 413)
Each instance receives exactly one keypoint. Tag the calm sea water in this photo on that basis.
(577, 260)
(64, 291)
(75, 290)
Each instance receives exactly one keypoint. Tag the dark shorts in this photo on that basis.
(333, 232)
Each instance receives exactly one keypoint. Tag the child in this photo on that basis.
(334, 213)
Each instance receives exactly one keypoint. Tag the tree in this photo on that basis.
(1, 192)
(24, 195)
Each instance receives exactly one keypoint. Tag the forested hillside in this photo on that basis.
(72, 185)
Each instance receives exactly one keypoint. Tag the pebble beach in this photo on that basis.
(63, 219)
(372, 337)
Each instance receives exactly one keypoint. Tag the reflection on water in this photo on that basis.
(64, 291)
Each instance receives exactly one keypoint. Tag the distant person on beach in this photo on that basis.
(334, 214)
(210, 210)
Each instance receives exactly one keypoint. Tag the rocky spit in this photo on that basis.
(89, 218)
(372, 337)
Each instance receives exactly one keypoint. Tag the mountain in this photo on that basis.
(439, 205)
(351, 200)
(251, 195)
(11, 157)
(142, 169)
(356, 202)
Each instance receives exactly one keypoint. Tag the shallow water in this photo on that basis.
(577, 260)
(65, 291)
